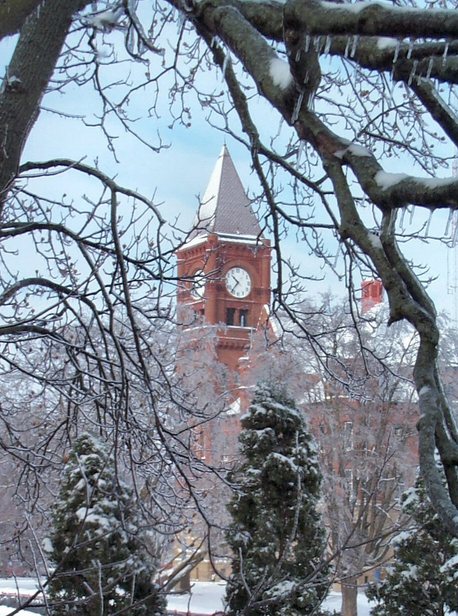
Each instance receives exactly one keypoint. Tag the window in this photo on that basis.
(243, 318)
(230, 316)
(239, 318)
(348, 435)
(348, 482)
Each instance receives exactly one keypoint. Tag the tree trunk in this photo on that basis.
(32, 64)
(350, 596)
(13, 13)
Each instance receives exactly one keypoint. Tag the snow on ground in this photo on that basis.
(207, 598)
(5, 611)
(25, 585)
(13, 586)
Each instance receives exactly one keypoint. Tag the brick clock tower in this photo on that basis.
(224, 269)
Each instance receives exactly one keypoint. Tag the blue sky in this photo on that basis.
(180, 173)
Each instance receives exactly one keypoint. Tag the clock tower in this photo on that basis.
(224, 288)
(224, 266)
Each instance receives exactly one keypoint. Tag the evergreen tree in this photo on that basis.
(422, 580)
(276, 535)
(103, 566)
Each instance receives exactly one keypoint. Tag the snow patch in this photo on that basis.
(411, 573)
(355, 149)
(282, 589)
(234, 407)
(424, 390)
(436, 182)
(401, 537)
(374, 240)
(359, 150)
(280, 73)
(357, 7)
(452, 563)
(387, 180)
(386, 42)
(409, 498)
(106, 20)
(13, 81)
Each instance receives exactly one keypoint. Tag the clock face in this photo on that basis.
(198, 285)
(238, 282)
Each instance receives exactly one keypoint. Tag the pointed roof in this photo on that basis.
(225, 209)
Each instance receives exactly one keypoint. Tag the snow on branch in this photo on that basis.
(430, 192)
(374, 19)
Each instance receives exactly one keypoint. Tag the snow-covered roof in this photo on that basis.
(234, 407)
(225, 209)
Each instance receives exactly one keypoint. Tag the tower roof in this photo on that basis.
(225, 209)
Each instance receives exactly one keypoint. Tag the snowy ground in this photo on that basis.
(205, 598)
(5, 611)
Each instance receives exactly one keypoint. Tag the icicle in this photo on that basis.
(354, 45)
(401, 221)
(430, 68)
(300, 151)
(412, 72)
(307, 42)
(412, 212)
(317, 44)
(449, 222)
(327, 44)
(396, 52)
(429, 222)
(388, 90)
(298, 55)
(181, 19)
(347, 47)
(297, 107)
(455, 165)
(444, 55)
(225, 63)
(409, 50)
(131, 40)
(455, 233)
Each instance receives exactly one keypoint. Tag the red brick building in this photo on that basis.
(224, 273)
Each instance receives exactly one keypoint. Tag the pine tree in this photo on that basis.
(422, 580)
(102, 565)
(276, 535)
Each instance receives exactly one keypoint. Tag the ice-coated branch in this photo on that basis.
(373, 19)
